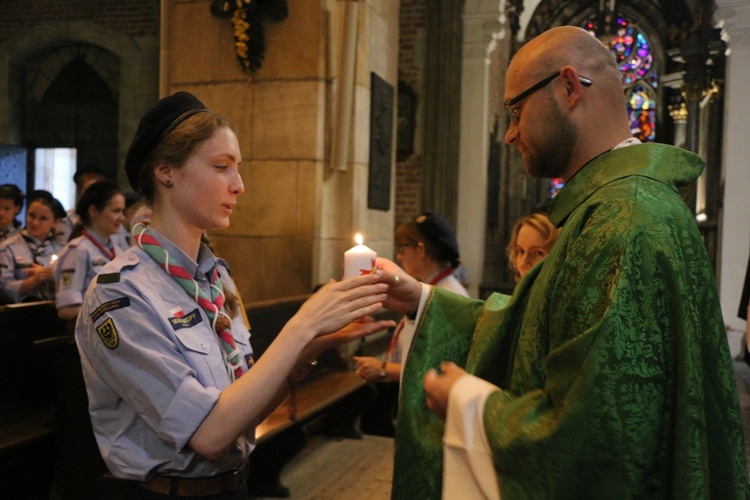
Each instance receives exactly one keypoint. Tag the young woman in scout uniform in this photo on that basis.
(174, 394)
(101, 209)
(26, 258)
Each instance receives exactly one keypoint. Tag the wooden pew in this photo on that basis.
(46, 440)
(329, 399)
(28, 397)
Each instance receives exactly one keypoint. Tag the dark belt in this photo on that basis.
(226, 482)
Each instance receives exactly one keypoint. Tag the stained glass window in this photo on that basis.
(642, 110)
(634, 57)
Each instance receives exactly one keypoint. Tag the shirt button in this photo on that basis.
(203, 346)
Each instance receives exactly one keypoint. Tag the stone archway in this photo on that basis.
(137, 67)
(69, 95)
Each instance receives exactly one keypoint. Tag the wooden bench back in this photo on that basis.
(27, 373)
(268, 317)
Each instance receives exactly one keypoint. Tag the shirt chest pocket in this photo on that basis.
(194, 340)
(201, 349)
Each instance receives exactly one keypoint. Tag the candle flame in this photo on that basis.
(358, 238)
(53, 258)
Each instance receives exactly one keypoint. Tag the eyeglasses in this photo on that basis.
(402, 248)
(513, 113)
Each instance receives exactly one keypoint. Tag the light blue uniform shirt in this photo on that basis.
(7, 232)
(80, 261)
(153, 365)
(15, 258)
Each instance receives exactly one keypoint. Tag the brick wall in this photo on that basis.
(407, 189)
(129, 17)
(410, 70)
(412, 26)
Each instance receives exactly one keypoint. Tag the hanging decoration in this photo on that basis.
(247, 17)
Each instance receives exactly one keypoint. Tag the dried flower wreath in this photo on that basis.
(246, 17)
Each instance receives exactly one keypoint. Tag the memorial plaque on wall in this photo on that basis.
(381, 144)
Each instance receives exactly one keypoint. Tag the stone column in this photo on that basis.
(297, 215)
(734, 236)
(442, 86)
(481, 25)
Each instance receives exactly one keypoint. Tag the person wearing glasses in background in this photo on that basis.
(608, 370)
(531, 240)
(427, 248)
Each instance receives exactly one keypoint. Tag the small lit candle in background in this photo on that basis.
(359, 260)
(52, 260)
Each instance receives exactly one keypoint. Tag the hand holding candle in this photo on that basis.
(359, 260)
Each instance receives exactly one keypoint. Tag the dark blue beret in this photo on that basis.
(437, 231)
(54, 203)
(155, 125)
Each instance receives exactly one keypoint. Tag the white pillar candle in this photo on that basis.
(359, 260)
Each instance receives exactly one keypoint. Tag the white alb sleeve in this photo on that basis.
(407, 333)
(468, 470)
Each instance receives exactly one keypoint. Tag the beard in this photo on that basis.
(552, 158)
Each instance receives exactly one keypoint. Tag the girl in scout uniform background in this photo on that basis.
(174, 395)
(100, 209)
(26, 258)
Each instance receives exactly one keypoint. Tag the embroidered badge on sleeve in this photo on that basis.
(67, 276)
(108, 333)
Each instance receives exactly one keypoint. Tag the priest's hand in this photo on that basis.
(403, 290)
(438, 386)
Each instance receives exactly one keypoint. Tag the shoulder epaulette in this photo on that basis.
(108, 278)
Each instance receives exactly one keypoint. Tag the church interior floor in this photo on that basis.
(333, 469)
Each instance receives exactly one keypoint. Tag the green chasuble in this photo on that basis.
(611, 355)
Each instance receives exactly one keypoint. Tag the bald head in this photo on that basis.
(567, 46)
(586, 100)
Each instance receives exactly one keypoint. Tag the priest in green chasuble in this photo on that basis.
(607, 374)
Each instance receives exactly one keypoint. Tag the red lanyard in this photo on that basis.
(110, 254)
(442, 274)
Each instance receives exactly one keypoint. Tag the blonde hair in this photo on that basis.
(538, 221)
